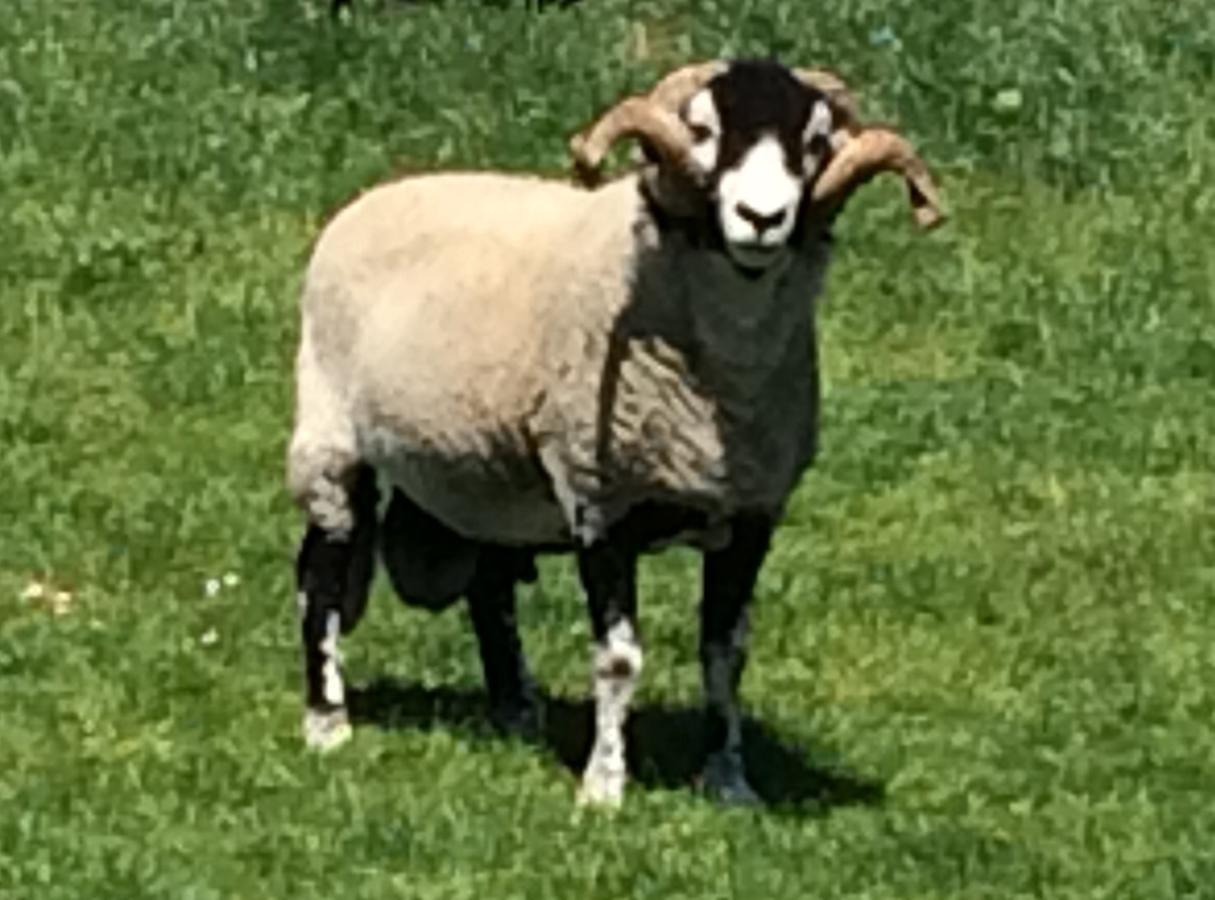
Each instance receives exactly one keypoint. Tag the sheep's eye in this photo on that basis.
(700, 133)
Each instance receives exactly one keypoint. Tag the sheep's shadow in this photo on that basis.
(662, 746)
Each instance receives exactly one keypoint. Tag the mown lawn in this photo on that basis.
(984, 650)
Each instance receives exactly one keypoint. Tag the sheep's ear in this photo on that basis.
(860, 156)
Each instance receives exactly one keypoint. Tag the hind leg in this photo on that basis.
(333, 573)
(431, 566)
(513, 702)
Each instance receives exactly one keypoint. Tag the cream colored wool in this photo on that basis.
(527, 359)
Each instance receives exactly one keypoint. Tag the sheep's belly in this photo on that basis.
(692, 471)
(500, 497)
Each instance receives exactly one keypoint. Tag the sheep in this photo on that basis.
(538, 366)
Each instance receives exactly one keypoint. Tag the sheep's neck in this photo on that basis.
(698, 390)
(705, 406)
(745, 330)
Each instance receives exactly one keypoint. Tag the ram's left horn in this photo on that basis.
(869, 152)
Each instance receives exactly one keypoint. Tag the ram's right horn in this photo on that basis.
(632, 117)
(652, 117)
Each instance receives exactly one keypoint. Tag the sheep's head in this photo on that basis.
(770, 148)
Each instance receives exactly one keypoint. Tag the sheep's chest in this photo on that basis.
(714, 431)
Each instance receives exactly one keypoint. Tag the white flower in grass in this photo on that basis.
(209, 637)
(1007, 100)
(211, 587)
(61, 603)
(231, 580)
(58, 601)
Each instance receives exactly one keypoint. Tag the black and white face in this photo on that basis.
(761, 137)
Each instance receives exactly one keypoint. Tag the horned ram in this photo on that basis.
(535, 366)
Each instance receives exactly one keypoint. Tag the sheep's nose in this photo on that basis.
(758, 220)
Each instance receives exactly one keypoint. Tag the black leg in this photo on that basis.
(729, 579)
(333, 575)
(609, 577)
(514, 706)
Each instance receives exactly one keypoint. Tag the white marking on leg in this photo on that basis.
(326, 729)
(334, 690)
(616, 669)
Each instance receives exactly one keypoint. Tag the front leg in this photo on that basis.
(729, 579)
(608, 569)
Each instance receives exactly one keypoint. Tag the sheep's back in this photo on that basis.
(430, 302)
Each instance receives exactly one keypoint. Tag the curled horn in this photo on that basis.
(654, 117)
(631, 117)
(861, 152)
(836, 91)
(865, 154)
(677, 86)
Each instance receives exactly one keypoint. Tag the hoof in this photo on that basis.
(725, 781)
(521, 717)
(601, 790)
(519, 720)
(326, 730)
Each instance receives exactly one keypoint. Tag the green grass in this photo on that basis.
(984, 650)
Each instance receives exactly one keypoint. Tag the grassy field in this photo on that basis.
(984, 650)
